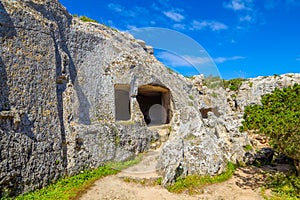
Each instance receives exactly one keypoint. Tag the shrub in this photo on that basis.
(278, 117)
(284, 187)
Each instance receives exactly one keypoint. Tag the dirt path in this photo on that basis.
(245, 184)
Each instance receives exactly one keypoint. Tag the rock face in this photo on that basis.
(75, 95)
(250, 91)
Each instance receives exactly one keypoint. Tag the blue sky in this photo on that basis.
(245, 38)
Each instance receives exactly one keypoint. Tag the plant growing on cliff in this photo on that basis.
(85, 18)
(213, 82)
(233, 84)
(279, 118)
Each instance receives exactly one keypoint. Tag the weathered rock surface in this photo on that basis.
(251, 90)
(58, 78)
(59, 82)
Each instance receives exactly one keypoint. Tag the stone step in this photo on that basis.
(146, 169)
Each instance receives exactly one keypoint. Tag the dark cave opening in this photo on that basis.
(154, 102)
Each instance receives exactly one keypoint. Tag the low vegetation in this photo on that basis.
(72, 187)
(248, 147)
(144, 181)
(283, 186)
(213, 82)
(191, 97)
(278, 118)
(233, 84)
(193, 184)
(85, 18)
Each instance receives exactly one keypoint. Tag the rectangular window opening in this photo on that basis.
(122, 102)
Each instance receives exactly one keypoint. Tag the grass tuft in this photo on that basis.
(72, 187)
(192, 184)
(123, 165)
(248, 147)
(191, 97)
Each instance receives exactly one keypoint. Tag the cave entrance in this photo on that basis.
(122, 102)
(204, 112)
(154, 102)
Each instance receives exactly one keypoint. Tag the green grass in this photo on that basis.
(191, 97)
(214, 94)
(72, 187)
(123, 165)
(248, 147)
(250, 84)
(144, 181)
(233, 84)
(192, 184)
(86, 19)
(284, 187)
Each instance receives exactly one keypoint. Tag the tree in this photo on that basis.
(279, 118)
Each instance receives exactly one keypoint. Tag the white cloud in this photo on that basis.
(172, 59)
(179, 26)
(246, 11)
(238, 5)
(246, 18)
(133, 12)
(115, 7)
(225, 59)
(176, 16)
(197, 60)
(213, 25)
(182, 61)
(130, 27)
(120, 9)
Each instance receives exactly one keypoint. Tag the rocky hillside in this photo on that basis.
(75, 95)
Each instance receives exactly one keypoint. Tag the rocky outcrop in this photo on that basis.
(59, 79)
(251, 90)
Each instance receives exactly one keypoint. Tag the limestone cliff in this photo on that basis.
(75, 95)
(61, 85)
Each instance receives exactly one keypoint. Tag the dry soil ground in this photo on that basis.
(245, 184)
